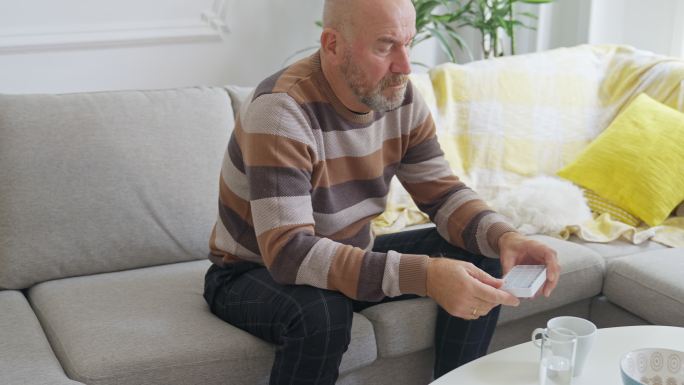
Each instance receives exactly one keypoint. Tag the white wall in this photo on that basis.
(654, 25)
(84, 45)
(102, 45)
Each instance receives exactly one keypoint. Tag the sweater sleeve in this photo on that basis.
(280, 155)
(461, 216)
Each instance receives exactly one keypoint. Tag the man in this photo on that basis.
(308, 167)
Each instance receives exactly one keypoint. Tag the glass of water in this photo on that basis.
(557, 363)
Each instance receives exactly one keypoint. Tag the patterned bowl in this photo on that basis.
(653, 366)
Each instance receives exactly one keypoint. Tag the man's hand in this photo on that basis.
(463, 290)
(516, 249)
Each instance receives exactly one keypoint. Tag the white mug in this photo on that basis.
(570, 326)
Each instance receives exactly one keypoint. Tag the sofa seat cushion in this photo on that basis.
(618, 248)
(403, 327)
(649, 285)
(582, 272)
(25, 354)
(152, 326)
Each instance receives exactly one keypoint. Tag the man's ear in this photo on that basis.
(329, 42)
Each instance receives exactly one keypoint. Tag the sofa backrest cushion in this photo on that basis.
(107, 181)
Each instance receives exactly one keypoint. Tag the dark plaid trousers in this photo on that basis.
(311, 327)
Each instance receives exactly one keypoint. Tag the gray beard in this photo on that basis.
(378, 102)
(372, 96)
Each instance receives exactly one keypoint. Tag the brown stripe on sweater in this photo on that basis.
(413, 274)
(305, 92)
(356, 234)
(271, 242)
(240, 206)
(222, 258)
(461, 218)
(293, 76)
(426, 192)
(347, 168)
(216, 255)
(370, 277)
(283, 151)
(286, 264)
(344, 270)
(422, 132)
(212, 241)
(389, 153)
(335, 198)
(495, 232)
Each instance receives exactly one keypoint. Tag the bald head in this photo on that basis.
(352, 16)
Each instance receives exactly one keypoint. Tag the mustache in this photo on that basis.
(394, 80)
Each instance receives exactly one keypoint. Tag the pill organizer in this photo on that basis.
(524, 280)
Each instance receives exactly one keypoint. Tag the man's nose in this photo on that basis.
(401, 63)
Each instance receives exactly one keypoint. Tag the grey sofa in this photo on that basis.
(106, 203)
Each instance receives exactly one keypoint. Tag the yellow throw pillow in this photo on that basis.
(637, 162)
(601, 205)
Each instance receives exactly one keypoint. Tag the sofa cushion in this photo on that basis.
(152, 326)
(238, 95)
(637, 162)
(618, 248)
(25, 354)
(649, 285)
(403, 327)
(107, 181)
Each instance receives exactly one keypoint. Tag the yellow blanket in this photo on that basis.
(604, 229)
(502, 121)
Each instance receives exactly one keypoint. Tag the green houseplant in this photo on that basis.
(442, 19)
(491, 18)
(438, 19)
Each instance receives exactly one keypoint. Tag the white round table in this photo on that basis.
(518, 365)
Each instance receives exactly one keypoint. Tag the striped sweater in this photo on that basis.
(303, 177)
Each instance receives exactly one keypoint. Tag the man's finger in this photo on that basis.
(552, 272)
(490, 294)
(486, 278)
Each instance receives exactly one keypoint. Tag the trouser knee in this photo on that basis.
(324, 325)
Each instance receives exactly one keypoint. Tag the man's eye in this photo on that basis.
(384, 48)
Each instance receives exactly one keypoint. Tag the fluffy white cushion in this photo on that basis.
(543, 205)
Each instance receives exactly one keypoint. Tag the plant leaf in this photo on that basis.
(444, 44)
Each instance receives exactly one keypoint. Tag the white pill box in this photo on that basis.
(524, 281)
